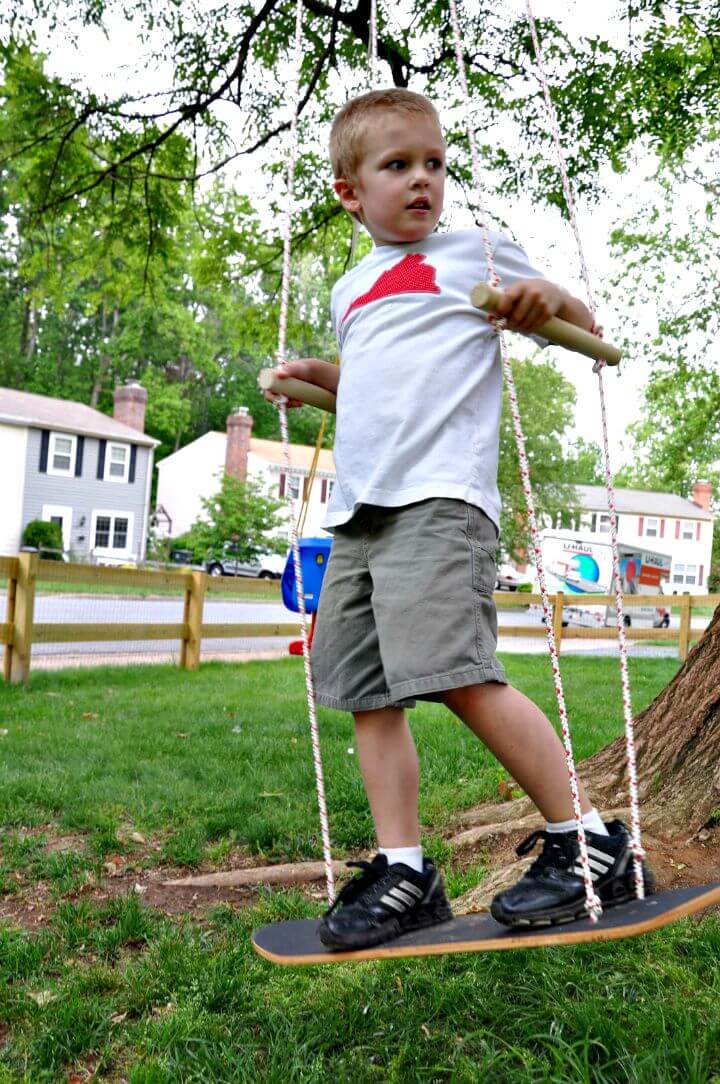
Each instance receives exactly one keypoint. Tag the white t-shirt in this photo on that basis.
(420, 392)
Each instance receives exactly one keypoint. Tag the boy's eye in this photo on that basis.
(436, 163)
(397, 163)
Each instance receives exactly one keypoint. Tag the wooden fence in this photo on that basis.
(20, 630)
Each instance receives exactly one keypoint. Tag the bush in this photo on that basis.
(45, 537)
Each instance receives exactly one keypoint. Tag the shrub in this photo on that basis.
(45, 537)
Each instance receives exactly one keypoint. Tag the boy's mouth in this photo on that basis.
(422, 203)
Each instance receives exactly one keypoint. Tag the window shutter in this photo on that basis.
(282, 484)
(700, 577)
(306, 487)
(697, 532)
(677, 528)
(133, 463)
(641, 526)
(662, 528)
(102, 445)
(44, 449)
(323, 491)
(79, 457)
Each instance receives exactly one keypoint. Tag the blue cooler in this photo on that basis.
(314, 555)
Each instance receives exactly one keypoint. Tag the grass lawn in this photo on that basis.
(201, 766)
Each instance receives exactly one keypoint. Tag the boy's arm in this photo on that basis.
(529, 303)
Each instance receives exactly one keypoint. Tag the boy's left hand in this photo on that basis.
(528, 304)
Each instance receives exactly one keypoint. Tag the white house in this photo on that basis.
(195, 472)
(664, 522)
(70, 464)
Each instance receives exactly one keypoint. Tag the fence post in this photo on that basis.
(10, 619)
(193, 618)
(558, 619)
(19, 666)
(684, 635)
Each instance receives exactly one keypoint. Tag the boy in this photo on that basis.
(406, 610)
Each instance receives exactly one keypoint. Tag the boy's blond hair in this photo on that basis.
(348, 127)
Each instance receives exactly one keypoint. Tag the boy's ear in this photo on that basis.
(345, 191)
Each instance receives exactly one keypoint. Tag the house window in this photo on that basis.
(685, 574)
(61, 458)
(117, 462)
(120, 533)
(111, 532)
(688, 530)
(600, 523)
(652, 527)
(294, 486)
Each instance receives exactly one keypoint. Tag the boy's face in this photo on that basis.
(400, 183)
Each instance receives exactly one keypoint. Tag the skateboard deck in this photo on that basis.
(297, 942)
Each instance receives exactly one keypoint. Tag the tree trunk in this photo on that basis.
(677, 741)
(104, 362)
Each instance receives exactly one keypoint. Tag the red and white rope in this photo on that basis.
(592, 902)
(636, 844)
(280, 356)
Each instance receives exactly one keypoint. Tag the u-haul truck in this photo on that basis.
(581, 567)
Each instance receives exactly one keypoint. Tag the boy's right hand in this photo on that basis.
(300, 369)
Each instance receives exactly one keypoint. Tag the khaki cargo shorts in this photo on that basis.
(406, 609)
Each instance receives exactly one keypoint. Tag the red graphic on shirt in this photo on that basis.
(410, 276)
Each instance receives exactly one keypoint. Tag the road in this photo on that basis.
(123, 610)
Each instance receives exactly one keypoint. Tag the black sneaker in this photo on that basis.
(553, 889)
(382, 902)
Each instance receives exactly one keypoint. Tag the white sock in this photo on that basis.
(591, 820)
(409, 856)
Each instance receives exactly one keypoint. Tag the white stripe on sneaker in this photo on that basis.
(400, 895)
(410, 887)
(602, 856)
(389, 901)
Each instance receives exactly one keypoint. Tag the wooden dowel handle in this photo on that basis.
(307, 393)
(556, 331)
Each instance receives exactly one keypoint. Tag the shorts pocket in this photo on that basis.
(484, 572)
(483, 537)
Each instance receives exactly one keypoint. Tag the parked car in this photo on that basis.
(263, 566)
(509, 579)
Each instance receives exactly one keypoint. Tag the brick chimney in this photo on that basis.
(129, 405)
(702, 495)
(239, 427)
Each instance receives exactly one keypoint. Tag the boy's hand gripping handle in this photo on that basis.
(556, 331)
(291, 388)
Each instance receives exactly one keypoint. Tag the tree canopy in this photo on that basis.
(130, 248)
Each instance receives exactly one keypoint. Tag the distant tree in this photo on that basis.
(714, 577)
(242, 514)
(584, 464)
(547, 402)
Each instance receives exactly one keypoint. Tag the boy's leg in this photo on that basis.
(398, 890)
(523, 740)
(553, 889)
(389, 765)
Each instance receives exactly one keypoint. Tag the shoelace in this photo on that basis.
(555, 853)
(371, 872)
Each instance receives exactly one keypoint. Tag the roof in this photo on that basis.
(641, 502)
(301, 455)
(65, 416)
(270, 451)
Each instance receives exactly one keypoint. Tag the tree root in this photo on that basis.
(288, 873)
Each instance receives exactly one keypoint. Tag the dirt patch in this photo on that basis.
(30, 908)
(676, 864)
(61, 844)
